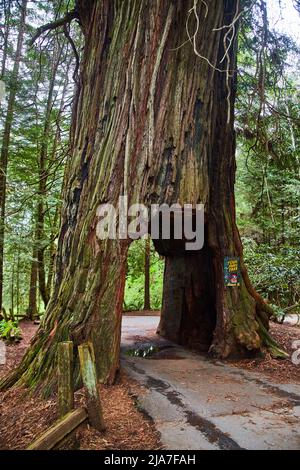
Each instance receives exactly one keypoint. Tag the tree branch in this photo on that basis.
(71, 15)
(67, 34)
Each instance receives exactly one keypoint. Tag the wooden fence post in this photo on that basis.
(65, 378)
(89, 378)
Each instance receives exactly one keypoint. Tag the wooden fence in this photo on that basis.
(69, 418)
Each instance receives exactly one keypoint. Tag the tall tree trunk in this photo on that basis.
(32, 300)
(147, 303)
(43, 176)
(150, 123)
(52, 248)
(12, 292)
(18, 282)
(7, 14)
(38, 268)
(56, 145)
(7, 135)
(283, 238)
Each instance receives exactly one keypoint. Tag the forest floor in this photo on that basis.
(142, 313)
(282, 371)
(23, 418)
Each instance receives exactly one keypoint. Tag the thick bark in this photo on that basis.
(7, 135)
(151, 123)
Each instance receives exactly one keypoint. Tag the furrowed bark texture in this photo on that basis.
(150, 122)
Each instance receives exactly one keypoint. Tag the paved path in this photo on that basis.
(292, 319)
(198, 403)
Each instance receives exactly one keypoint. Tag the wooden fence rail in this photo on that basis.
(60, 430)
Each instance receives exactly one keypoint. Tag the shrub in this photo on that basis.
(275, 274)
(10, 331)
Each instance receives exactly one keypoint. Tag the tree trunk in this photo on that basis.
(32, 303)
(7, 135)
(147, 304)
(12, 292)
(55, 147)
(7, 16)
(43, 177)
(150, 123)
(18, 282)
(52, 248)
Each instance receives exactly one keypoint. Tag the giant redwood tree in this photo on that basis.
(153, 120)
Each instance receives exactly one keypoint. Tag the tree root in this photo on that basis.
(270, 343)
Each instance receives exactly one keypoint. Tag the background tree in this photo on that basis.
(136, 283)
(268, 160)
(147, 302)
(8, 124)
(37, 154)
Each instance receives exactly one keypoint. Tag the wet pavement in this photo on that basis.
(198, 403)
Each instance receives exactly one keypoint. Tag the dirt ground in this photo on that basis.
(281, 371)
(23, 418)
(142, 313)
(15, 352)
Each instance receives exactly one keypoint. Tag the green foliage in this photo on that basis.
(268, 160)
(146, 351)
(274, 273)
(27, 138)
(135, 279)
(10, 331)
